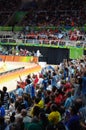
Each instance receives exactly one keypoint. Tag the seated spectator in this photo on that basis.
(35, 113)
(82, 112)
(34, 126)
(11, 105)
(74, 120)
(20, 123)
(3, 124)
(68, 101)
(19, 103)
(18, 112)
(13, 126)
(25, 101)
(38, 103)
(26, 118)
(43, 120)
(60, 126)
(11, 122)
(54, 117)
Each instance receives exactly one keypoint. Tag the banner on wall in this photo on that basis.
(76, 53)
(19, 58)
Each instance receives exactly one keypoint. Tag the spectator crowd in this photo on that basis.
(53, 99)
(50, 13)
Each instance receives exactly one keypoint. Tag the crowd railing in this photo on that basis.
(45, 42)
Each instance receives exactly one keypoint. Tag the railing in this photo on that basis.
(10, 71)
(38, 28)
(63, 43)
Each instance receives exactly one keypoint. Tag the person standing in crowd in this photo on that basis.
(5, 97)
(19, 91)
(54, 79)
(2, 110)
(26, 89)
(68, 101)
(29, 88)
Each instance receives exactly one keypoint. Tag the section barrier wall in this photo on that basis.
(19, 58)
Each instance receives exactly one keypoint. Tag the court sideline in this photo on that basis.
(10, 79)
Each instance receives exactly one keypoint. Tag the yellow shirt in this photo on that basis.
(54, 117)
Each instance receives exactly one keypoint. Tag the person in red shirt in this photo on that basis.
(59, 97)
(35, 80)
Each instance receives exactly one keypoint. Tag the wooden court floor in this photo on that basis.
(10, 79)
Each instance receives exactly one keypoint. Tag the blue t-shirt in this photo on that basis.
(2, 111)
(73, 123)
(19, 91)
